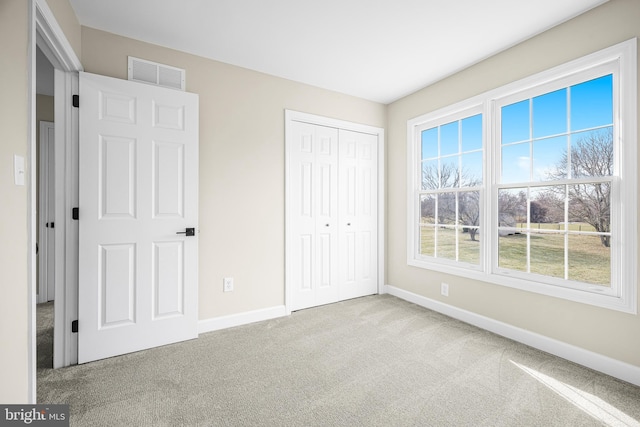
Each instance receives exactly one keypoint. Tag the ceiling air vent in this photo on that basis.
(153, 73)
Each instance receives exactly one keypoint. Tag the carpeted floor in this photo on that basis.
(373, 361)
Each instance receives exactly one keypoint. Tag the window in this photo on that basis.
(449, 195)
(533, 185)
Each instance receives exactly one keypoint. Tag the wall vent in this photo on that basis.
(154, 73)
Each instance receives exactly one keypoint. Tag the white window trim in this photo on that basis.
(624, 270)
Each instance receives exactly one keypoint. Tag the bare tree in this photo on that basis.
(448, 176)
(469, 211)
(591, 156)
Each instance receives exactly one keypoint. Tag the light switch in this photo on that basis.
(18, 169)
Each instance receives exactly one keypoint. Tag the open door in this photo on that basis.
(138, 217)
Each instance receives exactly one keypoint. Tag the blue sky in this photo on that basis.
(547, 124)
(535, 132)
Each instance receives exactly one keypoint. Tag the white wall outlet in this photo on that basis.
(444, 289)
(228, 284)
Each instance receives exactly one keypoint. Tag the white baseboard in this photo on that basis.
(596, 361)
(239, 319)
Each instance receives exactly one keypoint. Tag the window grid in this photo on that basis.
(434, 236)
(620, 62)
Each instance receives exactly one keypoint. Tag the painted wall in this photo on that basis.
(66, 18)
(241, 164)
(607, 332)
(14, 38)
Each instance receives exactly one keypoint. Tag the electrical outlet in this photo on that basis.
(228, 284)
(444, 289)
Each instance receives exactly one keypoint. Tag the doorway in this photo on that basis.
(45, 209)
(48, 38)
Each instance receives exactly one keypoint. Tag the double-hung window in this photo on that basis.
(449, 193)
(533, 185)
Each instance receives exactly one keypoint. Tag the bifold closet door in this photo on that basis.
(333, 247)
(358, 214)
(314, 215)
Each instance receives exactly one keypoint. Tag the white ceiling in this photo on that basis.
(374, 49)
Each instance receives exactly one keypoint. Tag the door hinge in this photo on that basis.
(76, 101)
(75, 213)
(74, 326)
(51, 224)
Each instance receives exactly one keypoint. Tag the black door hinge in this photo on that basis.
(76, 101)
(75, 213)
(74, 326)
(52, 224)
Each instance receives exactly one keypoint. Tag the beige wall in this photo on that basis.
(241, 164)
(13, 215)
(66, 18)
(610, 333)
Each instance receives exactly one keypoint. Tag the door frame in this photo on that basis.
(46, 33)
(297, 116)
(45, 195)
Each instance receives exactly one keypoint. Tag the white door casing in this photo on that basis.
(138, 188)
(332, 224)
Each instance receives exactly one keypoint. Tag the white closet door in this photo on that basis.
(358, 214)
(313, 215)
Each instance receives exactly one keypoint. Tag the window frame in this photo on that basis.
(621, 61)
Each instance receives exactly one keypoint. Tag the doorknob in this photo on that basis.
(188, 232)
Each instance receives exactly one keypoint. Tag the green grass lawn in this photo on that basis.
(588, 260)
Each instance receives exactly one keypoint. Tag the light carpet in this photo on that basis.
(373, 361)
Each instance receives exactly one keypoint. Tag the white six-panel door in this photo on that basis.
(315, 214)
(333, 247)
(358, 214)
(138, 188)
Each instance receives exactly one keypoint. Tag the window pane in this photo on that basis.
(449, 172)
(547, 254)
(427, 240)
(515, 122)
(428, 209)
(590, 259)
(590, 204)
(469, 249)
(515, 163)
(550, 114)
(469, 208)
(592, 153)
(446, 243)
(592, 103)
(512, 207)
(512, 251)
(546, 208)
(471, 169)
(449, 139)
(550, 159)
(430, 178)
(447, 208)
(429, 143)
(472, 133)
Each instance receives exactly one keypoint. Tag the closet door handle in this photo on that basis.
(349, 224)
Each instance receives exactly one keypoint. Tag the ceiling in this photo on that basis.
(379, 50)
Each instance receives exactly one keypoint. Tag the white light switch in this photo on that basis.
(18, 169)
